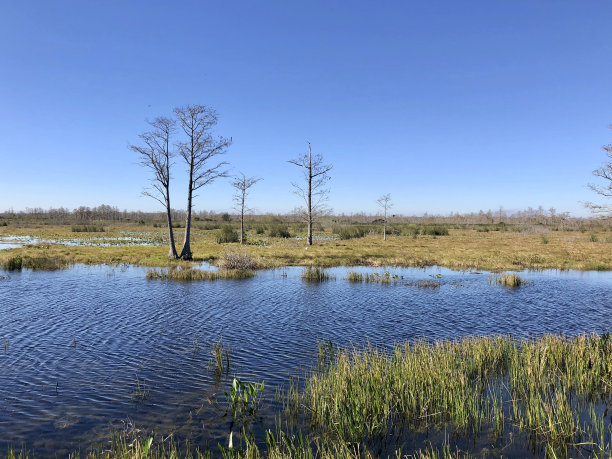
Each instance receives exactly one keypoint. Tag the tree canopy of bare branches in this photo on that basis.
(605, 190)
(155, 154)
(198, 150)
(314, 192)
(242, 183)
(385, 203)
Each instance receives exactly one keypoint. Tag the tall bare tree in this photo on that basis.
(155, 154)
(242, 183)
(314, 192)
(605, 173)
(385, 203)
(198, 150)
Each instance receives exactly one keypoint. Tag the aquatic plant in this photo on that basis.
(316, 274)
(354, 277)
(509, 280)
(191, 274)
(221, 353)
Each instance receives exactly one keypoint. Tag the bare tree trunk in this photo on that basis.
(309, 195)
(385, 228)
(242, 224)
(172, 253)
(186, 252)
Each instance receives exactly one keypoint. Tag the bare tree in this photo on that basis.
(242, 183)
(385, 203)
(200, 146)
(314, 193)
(604, 172)
(156, 155)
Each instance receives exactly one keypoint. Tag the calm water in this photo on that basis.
(74, 344)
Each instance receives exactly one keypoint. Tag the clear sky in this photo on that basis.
(447, 105)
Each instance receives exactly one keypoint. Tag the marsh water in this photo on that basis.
(88, 351)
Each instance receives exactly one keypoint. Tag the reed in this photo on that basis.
(539, 387)
(191, 274)
(13, 264)
(509, 280)
(354, 277)
(221, 355)
(316, 274)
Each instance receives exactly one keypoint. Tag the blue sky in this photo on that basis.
(449, 106)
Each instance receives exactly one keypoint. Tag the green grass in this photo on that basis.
(316, 274)
(221, 355)
(191, 274)
(463, 248)
(545, 395)
(87, 229)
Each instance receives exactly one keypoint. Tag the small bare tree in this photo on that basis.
(199, 148)
(242, 183)
(604, 172)
(385, 203)
(314, 192)
(156, 155)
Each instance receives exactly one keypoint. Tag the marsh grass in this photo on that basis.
(374, 278)
(539, 387)
(463, 248)
(350, 232)
(87, 228)
(191, 274)
(316, 274)
(424, 284)
(221, 356)
(141, 391)
(13, 264)
(508, 280)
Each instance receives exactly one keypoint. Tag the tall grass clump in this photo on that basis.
(316, 274)
(44, 263)
(13, 264)
(354, 277)
(508, 280)
(191, 274)
(221, 355)
(350, 232)
(227, 234)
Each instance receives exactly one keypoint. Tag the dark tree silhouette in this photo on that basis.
(242, 183)
(314, 192)
(605, 173)
(198, 150)
(155, 154)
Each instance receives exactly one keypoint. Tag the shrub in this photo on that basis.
(238, 259)
(434, 230)
(226, 217)
(349, 232)
(260, 229)
(227, 234)
(278, 230)
(411, 230)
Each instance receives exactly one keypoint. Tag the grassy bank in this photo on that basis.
(461, 249)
